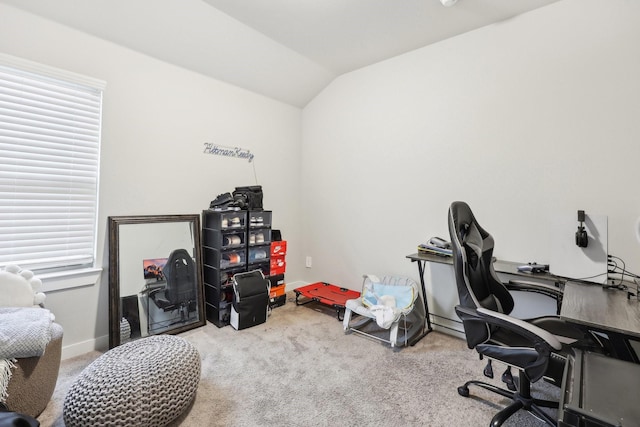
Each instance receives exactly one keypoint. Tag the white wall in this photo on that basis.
(156, 120)
(524, 119)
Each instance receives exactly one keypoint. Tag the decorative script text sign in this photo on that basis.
(221, 150)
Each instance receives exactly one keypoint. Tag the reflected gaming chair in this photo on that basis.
(537, 348)
(180, 291)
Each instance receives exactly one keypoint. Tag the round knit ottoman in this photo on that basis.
(147, 382)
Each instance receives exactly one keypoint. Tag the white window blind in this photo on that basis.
(49, 164)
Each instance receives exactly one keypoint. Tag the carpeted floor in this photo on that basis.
(300, 369)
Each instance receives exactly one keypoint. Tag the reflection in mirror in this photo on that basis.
(155, 281)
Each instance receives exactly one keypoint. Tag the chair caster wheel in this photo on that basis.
(463, 391)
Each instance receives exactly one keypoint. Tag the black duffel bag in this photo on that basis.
(248, 198)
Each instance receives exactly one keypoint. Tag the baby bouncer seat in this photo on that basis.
(387, 306)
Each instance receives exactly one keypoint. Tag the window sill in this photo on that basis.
(70, 279)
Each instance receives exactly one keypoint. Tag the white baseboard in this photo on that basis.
(293, 285)
(77, 349)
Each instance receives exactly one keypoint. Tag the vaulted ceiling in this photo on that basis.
(288, 50)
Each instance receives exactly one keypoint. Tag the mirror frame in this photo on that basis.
(114, 270)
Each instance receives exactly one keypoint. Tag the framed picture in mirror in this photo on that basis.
(155, 276)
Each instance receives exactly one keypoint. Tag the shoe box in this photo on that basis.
(277, 265)
(279, 248)
(277, 257)
(276, 280)
(277, 291)
(278, 301)
(277, 296)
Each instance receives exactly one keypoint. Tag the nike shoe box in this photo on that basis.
(279, 248)
(278, 265)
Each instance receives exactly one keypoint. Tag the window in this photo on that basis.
(49, 162)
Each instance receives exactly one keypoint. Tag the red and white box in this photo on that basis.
(279, 248)
(278, 265)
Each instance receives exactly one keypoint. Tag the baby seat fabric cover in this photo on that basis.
(394, 302)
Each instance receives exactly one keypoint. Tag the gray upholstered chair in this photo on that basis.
(33, 379)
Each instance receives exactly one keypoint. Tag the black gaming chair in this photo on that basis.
(180, 291)
(536, 347)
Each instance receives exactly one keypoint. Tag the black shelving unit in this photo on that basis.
(234, 241)
(224, 241)
(259, 241)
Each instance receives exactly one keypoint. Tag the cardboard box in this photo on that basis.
(278, 301)
(278, 265)
(279, 248)
(277, 291)
(278, 270)
(276, 280)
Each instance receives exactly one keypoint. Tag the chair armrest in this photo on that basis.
(533, 359)
(552, 291)
(539, 338)
(524, 286)
(526, 329)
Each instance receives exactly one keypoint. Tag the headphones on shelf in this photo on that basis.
(582, 239)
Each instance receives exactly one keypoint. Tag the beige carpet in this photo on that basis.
(300, 369)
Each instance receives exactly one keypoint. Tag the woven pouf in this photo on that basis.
(147, 382)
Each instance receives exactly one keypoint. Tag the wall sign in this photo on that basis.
(221, 150)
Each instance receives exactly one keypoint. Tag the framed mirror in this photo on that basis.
(155, 276)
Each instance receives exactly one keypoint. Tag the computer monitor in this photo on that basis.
(152, 269)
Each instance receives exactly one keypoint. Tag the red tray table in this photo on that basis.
(327, 294)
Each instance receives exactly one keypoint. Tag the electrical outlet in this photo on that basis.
(308, 262)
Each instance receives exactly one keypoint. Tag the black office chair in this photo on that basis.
(180, 291)
(538, 347)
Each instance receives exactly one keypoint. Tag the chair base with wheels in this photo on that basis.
(521, 399)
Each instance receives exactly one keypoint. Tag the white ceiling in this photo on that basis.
(288, 50)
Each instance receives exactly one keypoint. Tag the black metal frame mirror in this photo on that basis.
(155, 276)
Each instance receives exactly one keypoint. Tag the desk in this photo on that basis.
(422, 259)
(442, 276)
(599, 391)
(604, 310)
